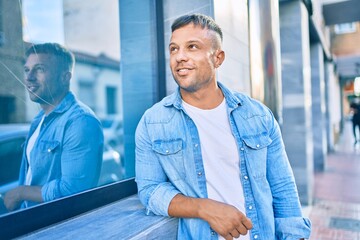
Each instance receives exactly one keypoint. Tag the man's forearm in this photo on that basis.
(225, 219)
(32, 193)
(184, 207)
(16, 196)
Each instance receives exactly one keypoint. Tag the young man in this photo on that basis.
(213, 158)
(63, 152)
(355, 108)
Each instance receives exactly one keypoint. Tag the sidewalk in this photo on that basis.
(335, 214)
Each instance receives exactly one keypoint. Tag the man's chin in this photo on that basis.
(189, 89)
(34, 98)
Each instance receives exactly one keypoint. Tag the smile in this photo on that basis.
(32, 88)
(183, 71)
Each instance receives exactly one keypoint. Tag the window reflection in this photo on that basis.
(90, 29)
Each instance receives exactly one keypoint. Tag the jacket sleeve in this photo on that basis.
(289, 223)
(154, 189)
(81, 158)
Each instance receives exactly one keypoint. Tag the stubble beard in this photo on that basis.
(190, 85)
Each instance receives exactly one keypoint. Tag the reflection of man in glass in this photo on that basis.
(63, 152)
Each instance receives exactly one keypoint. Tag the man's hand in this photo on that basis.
(12, 199)
(224, 219)
(16, 196)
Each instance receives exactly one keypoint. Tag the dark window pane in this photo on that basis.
(111, 100)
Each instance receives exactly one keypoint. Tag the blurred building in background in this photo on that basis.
(12, 93)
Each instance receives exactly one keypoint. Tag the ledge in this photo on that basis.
(124, 219)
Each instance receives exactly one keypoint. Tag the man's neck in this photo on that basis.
(204, 98)
(49, 107)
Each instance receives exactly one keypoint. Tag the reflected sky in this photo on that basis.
(43, 21)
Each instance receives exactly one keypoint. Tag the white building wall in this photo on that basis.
(100, 78)
(334, 99)
(108, 78)
(88, 30)
(232, 16)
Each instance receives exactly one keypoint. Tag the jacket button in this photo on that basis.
(49, 150)
(258, 146)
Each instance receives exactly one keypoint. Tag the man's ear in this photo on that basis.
(66, 77)
(219, 57)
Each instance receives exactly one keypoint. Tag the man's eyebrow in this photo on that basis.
(36, 65)
(187, 42)
(40, 64)
(194, 41)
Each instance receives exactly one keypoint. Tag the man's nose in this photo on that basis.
(181, 55)
(30, 76)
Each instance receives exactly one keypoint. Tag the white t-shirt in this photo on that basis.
(220, 155)
(29, 148)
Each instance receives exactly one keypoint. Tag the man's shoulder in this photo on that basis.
(73, 110)
(251, 104)
(241, 99)
(161, 111)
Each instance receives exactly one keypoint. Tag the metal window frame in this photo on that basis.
(26, 221)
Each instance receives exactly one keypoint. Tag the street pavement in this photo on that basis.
(335, 213)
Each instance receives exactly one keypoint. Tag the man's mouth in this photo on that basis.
(183, 71)
(32, 88)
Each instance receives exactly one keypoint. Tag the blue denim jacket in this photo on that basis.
(67, 155)
(169, 161)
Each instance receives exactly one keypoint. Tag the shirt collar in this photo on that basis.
(63, 106)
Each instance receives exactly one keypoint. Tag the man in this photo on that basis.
(63, 152)
(211, 157)
(355, 109)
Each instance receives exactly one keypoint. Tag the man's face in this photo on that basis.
(44, 79)
(193, 57)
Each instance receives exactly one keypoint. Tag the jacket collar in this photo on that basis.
(233, 101)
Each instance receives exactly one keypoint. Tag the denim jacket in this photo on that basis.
(67, 155)
(169, 161)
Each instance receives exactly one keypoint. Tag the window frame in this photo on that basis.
(13, 225)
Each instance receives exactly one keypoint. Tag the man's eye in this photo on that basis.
(40, 69)
(193, 46)
(172, 49)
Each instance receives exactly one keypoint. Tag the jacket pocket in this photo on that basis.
(171, 157)
(256, 154)
(47, 157)
(167, 147)
(48, 146)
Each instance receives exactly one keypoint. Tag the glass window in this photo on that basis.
(118, 96)
(91, 31)
(10, 158)
(345, 28)
(111, 100)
